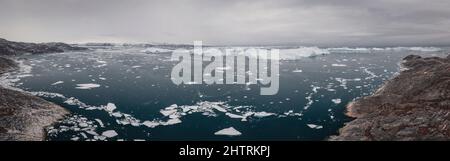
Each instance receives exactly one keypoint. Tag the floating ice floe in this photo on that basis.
(336, 101)
(151, 124)
(263, 114)
(58, 82)
(338, 65)
(110, 133)
(234, 116)
(231, 131)
(313, 126)
(171, 121)
(370, 73)
(110, 107)
(87, 86)
(100, 122)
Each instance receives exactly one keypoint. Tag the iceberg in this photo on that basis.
(231, 131)
(87, 86)
(110, 133)
(262, 114)
(110, 107)
(313, 126)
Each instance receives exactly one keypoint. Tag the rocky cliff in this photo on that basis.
(24, 116)
(415, 105)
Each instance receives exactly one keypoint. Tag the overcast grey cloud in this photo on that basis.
(230, 22)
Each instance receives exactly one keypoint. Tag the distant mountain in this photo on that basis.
(16, 48)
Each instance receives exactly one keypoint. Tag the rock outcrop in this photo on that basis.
(6, 65)
(24, 116)
(415, 105)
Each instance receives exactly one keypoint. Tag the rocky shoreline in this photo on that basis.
(415, 105)
(23, 116)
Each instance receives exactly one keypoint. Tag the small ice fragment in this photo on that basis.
(234, 116)
(110, 107)
(83, 124)
(168, 112)
(172, 121)
(218, 108)
(109, 133)
(75, 139)
(101, 62)
(338, 65)
(174, 116)
(312, 126)
(91, 133)
(171, 107)
(117, 114)
(151, 124)
(58, 82)
(231, 131)
(100, 122)
(189, 83)
(87, 86)
(337, 100)
(84, 135)
(262, 114)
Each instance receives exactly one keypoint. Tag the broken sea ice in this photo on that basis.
(231, 131)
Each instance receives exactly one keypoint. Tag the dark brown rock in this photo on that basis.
(24, 116)
(415, 105)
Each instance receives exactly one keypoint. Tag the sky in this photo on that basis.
(230, 22)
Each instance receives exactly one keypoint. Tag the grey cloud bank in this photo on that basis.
(232, 22)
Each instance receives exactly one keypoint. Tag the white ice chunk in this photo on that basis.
(110, 133)
(100, 122)
(218, 108)
(87, 86)
(172, 121)
(338, 65)
(262, 114)
(234, 116)
(313, 126)
(151, 124)
(231, 131)
(110, 107)
(83, 124)
(337, 100)
(58, 82)
(117, 114)
(168, 112)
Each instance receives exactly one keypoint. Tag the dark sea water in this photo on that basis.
(131, 90)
